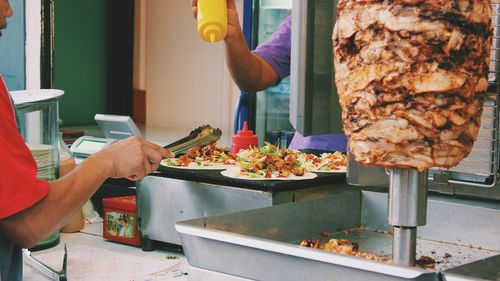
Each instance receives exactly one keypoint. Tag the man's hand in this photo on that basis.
(134, 158)
(233, 22)
(250, 72)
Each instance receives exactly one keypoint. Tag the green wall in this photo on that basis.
(80, 59)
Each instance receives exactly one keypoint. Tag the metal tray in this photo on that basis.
(262, 244)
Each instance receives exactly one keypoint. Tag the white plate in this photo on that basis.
(193, 166)
(234, 173)
(342, 170)
(41, 148)
(28, 96)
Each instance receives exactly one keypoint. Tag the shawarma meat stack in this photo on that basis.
(412, 76)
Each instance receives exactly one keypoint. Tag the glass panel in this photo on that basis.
(39, 128)
(272, 105)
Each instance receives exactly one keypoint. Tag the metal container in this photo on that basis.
(262, 244)
(162, 201)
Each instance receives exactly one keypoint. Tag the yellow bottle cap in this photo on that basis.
(212, 33)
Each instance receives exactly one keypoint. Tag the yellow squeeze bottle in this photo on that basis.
(212, 20)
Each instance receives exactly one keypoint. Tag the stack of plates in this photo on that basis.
(45, 160)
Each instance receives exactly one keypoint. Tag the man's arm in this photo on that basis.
(132, 158)
(249, 71)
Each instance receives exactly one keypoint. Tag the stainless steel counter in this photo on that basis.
(262, 244)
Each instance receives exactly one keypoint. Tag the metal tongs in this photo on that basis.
(45, 269)
(201, 136)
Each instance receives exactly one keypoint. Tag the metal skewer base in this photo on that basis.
(407, 209)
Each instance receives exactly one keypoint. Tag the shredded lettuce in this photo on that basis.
(169, 161)
(245, 165)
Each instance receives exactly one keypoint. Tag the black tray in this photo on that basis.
(273, 186)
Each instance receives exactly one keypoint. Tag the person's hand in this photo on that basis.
(233, 22)
(134, 158)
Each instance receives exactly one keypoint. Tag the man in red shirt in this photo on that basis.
(30, 209)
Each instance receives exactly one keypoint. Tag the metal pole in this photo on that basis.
(407, 209)
(404, 245)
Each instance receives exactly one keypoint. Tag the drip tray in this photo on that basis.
(445, 255)
(262, 244)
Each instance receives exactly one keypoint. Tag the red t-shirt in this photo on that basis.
(19, 188)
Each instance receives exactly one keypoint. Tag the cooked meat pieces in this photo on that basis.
(345, 247)
(412, 76)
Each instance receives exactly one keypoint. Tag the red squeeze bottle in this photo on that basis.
(244, 139)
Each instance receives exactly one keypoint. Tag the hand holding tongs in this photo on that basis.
(46, 270)
(201, 136)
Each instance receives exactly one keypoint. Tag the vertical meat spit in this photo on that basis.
(407, 209)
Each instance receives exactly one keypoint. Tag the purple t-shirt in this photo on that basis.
(330, 142)
(276, 51)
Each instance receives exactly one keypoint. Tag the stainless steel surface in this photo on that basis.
(298, 64)
(44, 269)
(407, 197)
(404, 245)
(495, 58)
(492, 193)
(161, 202)
(201, 136)
(482, 270)
(164, 201)
(407, 209)
(359, 175)
(262, 244)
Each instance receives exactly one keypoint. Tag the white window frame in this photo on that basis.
(33, 43)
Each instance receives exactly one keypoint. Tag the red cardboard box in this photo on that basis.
(120, 220)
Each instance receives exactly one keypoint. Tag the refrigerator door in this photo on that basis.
(272, 105)
(314, 106)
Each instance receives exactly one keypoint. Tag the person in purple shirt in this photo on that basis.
(267, 65)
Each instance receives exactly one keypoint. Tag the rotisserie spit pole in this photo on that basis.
(407, 210)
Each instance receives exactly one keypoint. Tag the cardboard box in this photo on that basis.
(120, 220)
